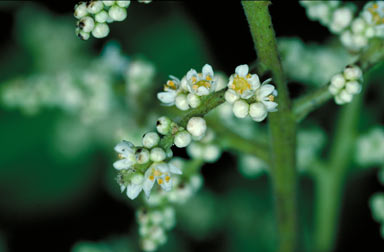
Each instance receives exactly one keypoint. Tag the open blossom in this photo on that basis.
(160, 172)
(265, 96)
(374, 14)
(201, 83)
(134, 187)
(127, 155)
(243, 84)
(171, 90)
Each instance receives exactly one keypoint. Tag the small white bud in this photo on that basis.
(169, 153)
(80, 10)
(181, 102)
(151, 139)
(109, 3)
(193, 100)
(157, 154)
(352, 73)
(86, 24)
(358, 25)
(345, 96)
(81, 34)
(338, 81)
(360, 41)
(148, 245)
(341, 19)
(257, 111)
(182, 139)
(240, 109)
(163, 125)
(347, 38)
(117, 13)
(142, 155)
(230, 96)
(197, 126)
(370, 32)
(123, 4)
(353, 87)
(95, 6)
(101, 30)
(211, 153)
(195, 150)
(101, 17)
(333, 90)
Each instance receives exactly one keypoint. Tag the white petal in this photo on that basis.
(254, 81)
(147, 186)
(202, 91)
(266, 81)
(124, 147)
(265, 90)
(174, 169)
(174, 78)
(230, 81)
(167, 97)
(207, 70)
(122, 188)
(162, 167)
(191, 73)
(242, 70)
(247, 94)
(133, 190)
(270, 106)
(122, 164)
(167, 186)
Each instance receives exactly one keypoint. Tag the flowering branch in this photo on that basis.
(281, 124)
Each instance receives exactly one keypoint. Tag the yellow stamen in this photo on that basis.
(152, 177)
(249, 76)
(167, 178)
(202, 83)
(208, 78)
(160, 181)
(240, 84)
(271, 98)
(120, 156)
(194, 79)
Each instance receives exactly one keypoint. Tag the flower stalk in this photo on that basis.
(281, 125)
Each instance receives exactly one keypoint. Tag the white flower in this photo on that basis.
(373, 13)
(80, 10)
(344, 86)
(342, 17)
(197, 126)
(127, 155)
(142, 155)
(201, 83)
(193, 100)
(181, 102)
(151, 139)
(124, 3)
(135, 186)
(160, 172)
(171, 89)
(157, 154)
(243, 84)
(101, 17)
(265, 96)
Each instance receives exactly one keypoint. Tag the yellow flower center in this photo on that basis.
(271, 98)
(120, 156)
(202, 83)
(170, 85)
(160, 181)
(157, 173)
(240, 84)
(167, 178)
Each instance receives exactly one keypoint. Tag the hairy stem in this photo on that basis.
(281, 125)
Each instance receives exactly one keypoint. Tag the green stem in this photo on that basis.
(329, 186)
(281, 125)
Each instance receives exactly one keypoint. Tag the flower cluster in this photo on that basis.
(153, 224)
(377, 208)
(248, 96)
(141, 166)
(185, 94)
(370, 148)
(345, 85)
(93, 17)
(369, 24)
(332, 14)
